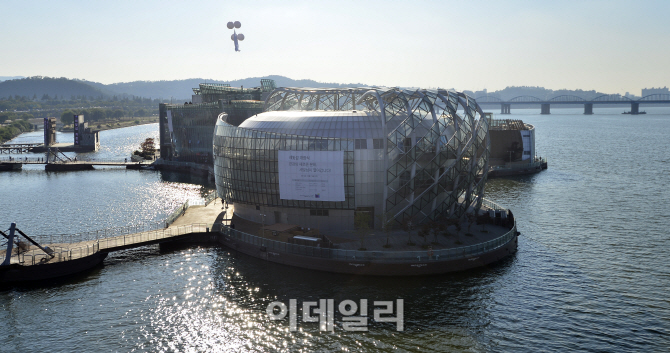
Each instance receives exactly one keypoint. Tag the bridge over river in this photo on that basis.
(545, 104)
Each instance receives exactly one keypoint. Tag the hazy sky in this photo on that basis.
(610, 46)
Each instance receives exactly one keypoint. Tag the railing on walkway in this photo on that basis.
(153, 235)
(116, 231)
(192, 202)
(98, 234)
(96, 245)
(210, 197)
(177, 213)
(43, 160)
(60, 254)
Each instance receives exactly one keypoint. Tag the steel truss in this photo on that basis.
(437, 145)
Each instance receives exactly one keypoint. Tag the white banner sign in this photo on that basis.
(311, 175)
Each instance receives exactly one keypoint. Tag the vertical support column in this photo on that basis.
(544, 109)
(10, 245)
(163, 133)
(635, 108)
(505, 108)
(588, 108)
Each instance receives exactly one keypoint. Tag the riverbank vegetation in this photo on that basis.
(147, 149)
(15, 128)
(101, 113)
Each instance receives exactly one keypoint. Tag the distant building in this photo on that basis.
(511, 141)
(84, 136)
(650, 91)
(49, 131)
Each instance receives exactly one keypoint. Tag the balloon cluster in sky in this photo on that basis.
(236, 37)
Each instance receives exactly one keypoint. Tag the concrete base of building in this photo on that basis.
(511, 172)
(424, 266)
(197, 169)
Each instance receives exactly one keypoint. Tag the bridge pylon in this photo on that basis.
(635, 108)
(544, 109)
(588, 109)
(505, 108)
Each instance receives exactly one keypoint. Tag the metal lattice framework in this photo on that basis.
(437, 145)
(212, 92)
(567, 98)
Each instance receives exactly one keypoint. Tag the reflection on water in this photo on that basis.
(590, 275)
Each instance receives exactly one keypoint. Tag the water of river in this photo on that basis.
(591, 273)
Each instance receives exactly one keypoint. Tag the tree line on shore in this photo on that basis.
(21, 105)
(14, 129)
(91, 114)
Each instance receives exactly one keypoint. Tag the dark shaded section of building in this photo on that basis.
(511, 141)
(186, 130)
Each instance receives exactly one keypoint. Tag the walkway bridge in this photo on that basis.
(545, 104)
(68, 247)
(16, 163)
(9, 148)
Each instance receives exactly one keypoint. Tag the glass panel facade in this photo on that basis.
(192, 128)
(246, 166)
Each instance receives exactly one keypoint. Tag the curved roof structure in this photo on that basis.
(341, 124)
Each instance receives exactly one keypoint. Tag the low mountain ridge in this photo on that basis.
(38, 86)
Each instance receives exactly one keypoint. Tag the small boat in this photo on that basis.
(638, 113)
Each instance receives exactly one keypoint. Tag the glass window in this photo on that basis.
(377, 144)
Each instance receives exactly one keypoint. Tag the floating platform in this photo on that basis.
(66, 167)
(17, 273)
(340, 253)
(5, 167)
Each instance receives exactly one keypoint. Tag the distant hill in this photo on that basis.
(183, 89)
(39, 86)
(178, 89)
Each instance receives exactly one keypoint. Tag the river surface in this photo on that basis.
(591, 273)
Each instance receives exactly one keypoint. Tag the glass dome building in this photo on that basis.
(318, 157)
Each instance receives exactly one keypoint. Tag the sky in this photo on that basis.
(609, 46)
